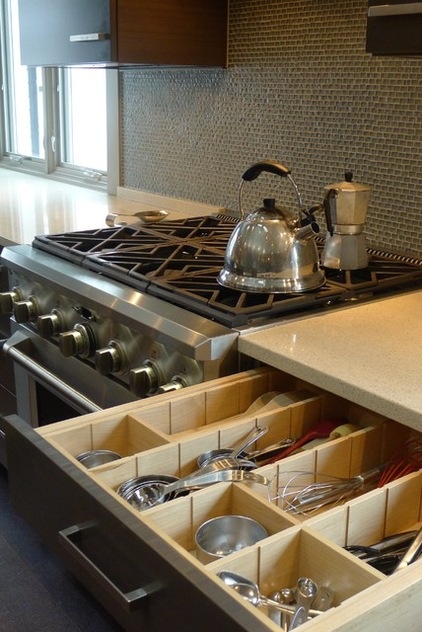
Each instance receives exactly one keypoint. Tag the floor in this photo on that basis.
(37, 592)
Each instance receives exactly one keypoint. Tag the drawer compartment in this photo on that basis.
(393, 509)
(180, 519)
(279, 562)
(335, 472)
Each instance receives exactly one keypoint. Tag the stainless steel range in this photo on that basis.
(107, 316)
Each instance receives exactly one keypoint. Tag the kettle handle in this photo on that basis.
(270, 166)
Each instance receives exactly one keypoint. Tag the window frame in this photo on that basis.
(52, 166)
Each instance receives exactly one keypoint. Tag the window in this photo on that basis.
(56, 121)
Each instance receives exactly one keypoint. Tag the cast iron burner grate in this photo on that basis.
(178, 261)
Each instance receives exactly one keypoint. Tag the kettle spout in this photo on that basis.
(307, 232)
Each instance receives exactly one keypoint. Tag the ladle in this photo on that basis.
(156, 493)
(247, 589)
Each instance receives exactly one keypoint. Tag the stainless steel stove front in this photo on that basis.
(81, 342)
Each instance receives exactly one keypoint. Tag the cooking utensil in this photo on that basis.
(215, 455)
(282, 596)
(308, 498)
(345, 207)
(94, 458)
(271, 250)
(247, 589)
(223, 535)
(131, 490)
(412, 553)
(406, 459)
(321, 430)
(387, 554)
(135, 219)
(323, 599)
(306, 590)
(157, 492)
(229, 463)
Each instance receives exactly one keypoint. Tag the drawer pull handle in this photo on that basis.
(70, 538)
(89, 37)
(409, 8)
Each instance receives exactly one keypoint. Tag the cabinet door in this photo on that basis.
(65, 32)
(176, 32)
(142, 32)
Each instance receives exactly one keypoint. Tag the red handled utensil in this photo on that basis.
(322, 430)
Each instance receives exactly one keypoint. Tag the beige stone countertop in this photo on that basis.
(369, 353)
(32, 205)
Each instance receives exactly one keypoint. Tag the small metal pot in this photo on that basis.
(94, 458)
(224, 535)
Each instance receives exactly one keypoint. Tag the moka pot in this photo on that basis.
(345, 206)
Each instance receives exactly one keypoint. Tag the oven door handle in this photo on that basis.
(11, 349)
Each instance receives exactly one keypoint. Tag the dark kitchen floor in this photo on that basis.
(36, 591)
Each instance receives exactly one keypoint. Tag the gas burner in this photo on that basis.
(179, 261)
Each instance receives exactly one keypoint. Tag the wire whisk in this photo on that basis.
(308, 492)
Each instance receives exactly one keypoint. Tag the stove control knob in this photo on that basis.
(79, 341)
(26, 311)
(175, 384)
(49, 325)
(7, 301)
(110, 359)
(144, 380)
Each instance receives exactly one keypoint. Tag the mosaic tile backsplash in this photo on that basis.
(300, 89)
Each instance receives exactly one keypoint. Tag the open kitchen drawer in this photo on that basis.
(142, 565)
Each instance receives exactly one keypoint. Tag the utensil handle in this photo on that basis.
(241, 445)
(221, 476)
(412, 552)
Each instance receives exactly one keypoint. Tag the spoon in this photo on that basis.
(247, 589)
(156, 493)
(306, 590)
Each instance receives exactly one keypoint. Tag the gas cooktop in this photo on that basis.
(178, 261)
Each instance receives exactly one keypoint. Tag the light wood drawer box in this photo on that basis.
(143, 567)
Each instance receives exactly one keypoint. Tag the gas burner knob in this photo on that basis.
(49, 325)
(110, 359)
(8, 300)
(79, 341)
(144, 380)
(175, 384)
(26, 311)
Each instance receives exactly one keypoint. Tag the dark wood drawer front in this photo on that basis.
(145, 583)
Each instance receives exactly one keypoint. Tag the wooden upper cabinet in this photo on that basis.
(124, 32)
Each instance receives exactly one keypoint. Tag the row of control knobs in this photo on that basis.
(81, 342)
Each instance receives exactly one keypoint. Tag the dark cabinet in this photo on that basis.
(123, 32)
(394, 27)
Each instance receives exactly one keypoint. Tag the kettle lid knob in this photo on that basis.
(269, 204)
(348, 176)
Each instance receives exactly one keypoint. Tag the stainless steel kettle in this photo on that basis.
(272, 250)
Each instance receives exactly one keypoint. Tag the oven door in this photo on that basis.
(52, 388)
